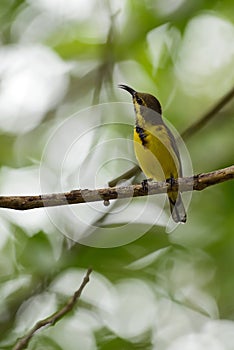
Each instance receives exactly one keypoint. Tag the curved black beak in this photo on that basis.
(127, 88)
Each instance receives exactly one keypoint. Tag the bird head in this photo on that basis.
(143, 99)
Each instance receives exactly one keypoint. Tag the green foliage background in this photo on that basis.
(159, 291)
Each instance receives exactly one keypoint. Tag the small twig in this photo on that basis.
(199, 124)
(130, 173)
(51, 320)
(192, 183)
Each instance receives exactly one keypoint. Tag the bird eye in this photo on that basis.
(139, 100)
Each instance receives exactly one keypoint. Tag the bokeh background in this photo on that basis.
(64, 125)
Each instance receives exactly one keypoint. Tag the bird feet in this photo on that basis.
(145, 184)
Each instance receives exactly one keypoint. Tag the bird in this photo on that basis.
(155, 147)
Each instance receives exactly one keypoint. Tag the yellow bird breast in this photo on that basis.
(154, 152)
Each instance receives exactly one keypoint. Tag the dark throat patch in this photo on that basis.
(141, 132)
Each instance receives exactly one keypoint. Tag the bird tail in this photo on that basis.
(177, 207)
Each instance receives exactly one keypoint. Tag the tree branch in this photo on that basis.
(192, 183)
(51, 320)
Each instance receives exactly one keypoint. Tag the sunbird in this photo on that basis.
(155, 147)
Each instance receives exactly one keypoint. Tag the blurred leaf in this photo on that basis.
(107, 340)
(43, 342)
(7, 150)
(37, 255)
